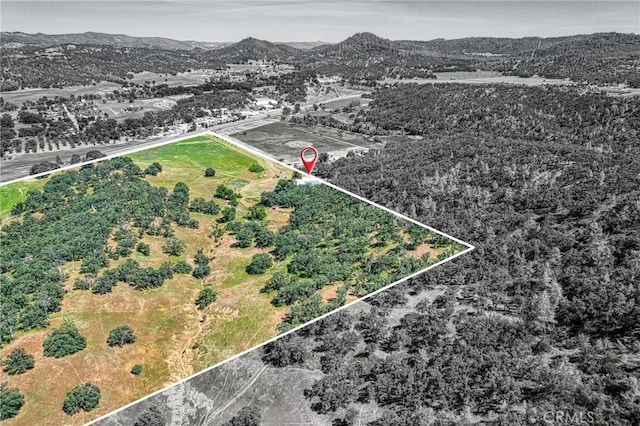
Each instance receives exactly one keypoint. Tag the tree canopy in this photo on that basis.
(64, 340)
(206, 297)
(18, 361)
(11, 401)
(259, 264)
(84, 397)
(120, 336)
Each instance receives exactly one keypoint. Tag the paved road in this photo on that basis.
(20, 165)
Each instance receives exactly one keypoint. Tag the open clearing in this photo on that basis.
(480, 77)
(12, 194)
(285, 140)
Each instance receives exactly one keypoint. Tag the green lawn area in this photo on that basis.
(184, 158)
(15, 192)
(223, 157)
(187, 160)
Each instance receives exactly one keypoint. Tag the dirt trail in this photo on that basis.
(221, 409)
(71, 117)
(187, 369)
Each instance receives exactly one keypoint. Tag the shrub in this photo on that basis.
(228, 215)
(247, 416)
(64, 340)
(202, 269)
(206, 297)
(136, 369)
(18, 362)
(80, 284)
(120, 336)
(82, 397)
(256, 212)
(256, 168)
(182, 267)
(143, 249)
(259, 264)
(174, 247)
(151, 417)
(210, 172)
(43, 166)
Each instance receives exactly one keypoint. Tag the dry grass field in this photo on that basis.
(165, 320)
(174, 338)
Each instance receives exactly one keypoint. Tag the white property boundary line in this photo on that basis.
(273, 339)
(245, 147)
(108, 157)
(255, 152)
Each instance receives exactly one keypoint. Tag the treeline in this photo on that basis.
(608, 58)
(548, 114)
(289, 87)
(594, 70)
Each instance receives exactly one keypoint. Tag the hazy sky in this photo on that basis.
(320, 20)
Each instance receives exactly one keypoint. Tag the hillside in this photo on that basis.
(304, 45)
(470, 45)
(360, 45)
(578, 44)
(253, 48)
(64, 60)
(102, 39)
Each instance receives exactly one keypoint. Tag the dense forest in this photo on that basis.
(549, 114)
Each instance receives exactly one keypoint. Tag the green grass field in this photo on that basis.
(185, 161)
(15, 192)
(198, 153)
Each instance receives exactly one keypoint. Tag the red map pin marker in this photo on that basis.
(308, 164)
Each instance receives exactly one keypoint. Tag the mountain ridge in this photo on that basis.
(97, 38)
(358, 44)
